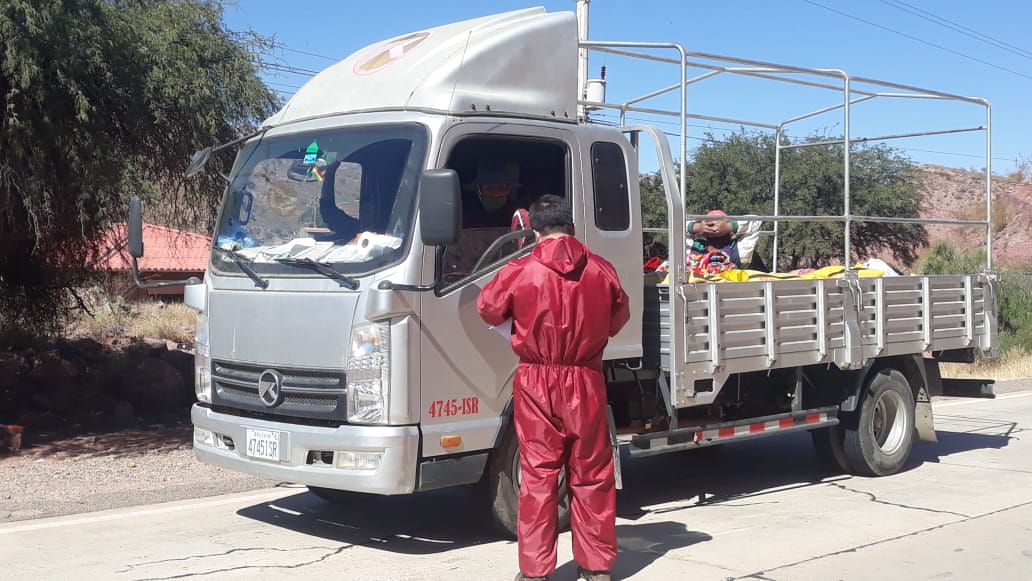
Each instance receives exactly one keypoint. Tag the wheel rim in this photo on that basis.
(890, 422)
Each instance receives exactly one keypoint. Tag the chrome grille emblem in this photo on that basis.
(270, 388)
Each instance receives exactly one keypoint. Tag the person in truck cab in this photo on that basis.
(565, 303)
(495, 187)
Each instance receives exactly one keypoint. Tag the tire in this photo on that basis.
(503, 486)
(334, 496)
(828, 443)
(884, 436)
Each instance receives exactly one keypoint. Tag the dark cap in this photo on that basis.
(498, 172)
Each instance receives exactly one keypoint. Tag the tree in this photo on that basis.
(737, 175)
(101, 100)
(653, 214)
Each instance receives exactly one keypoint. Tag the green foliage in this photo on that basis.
(1014, 299)
(943, 258)
(737, 175)
(653, 214)
(101, 100)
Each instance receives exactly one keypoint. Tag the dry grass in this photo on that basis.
(1014, 364)
(152, 319)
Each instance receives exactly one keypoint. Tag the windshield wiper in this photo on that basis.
(345, 281)
(244, 266)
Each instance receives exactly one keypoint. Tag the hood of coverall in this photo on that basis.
(564, 255)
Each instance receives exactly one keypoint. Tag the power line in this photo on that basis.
(281, 68)
(909, 8)
(922, 41)
(282, 46)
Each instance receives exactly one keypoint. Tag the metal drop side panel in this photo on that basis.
(912, 314)
(760, 325)
(756, 326)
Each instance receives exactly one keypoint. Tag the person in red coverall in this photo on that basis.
(565, 303)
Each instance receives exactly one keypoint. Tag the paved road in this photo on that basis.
(762, 510)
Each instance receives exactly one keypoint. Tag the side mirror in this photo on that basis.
(135, 235)
(440, 207)
(135, 227)
(199, 159)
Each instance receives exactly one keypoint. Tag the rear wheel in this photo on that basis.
(503, 486)
(884, 435)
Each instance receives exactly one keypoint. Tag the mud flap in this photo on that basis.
(616, 448)
(924, 420)
(939, 385)
(968, 387)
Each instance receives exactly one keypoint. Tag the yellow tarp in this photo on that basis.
(744, 275)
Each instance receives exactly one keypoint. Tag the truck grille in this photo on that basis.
(306, 393)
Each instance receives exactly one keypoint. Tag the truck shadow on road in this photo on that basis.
(416, 524)
(443, 520)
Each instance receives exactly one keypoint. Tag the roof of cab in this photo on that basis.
(520, 63)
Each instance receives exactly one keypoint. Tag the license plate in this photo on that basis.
(264, 444)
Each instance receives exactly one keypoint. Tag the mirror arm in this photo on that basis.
(438, 275)
(141, 284)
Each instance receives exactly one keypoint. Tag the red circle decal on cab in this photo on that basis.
(391, 53)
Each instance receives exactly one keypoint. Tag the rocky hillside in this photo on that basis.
(953, 193)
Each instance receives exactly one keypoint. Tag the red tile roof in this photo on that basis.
(164, 249)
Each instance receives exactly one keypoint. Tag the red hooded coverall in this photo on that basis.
(565, 303)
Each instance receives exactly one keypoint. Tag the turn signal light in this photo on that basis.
(451, 441)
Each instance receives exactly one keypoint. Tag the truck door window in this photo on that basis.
(523, 169)
(609, 175)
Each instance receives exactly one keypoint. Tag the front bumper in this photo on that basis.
(396, 473)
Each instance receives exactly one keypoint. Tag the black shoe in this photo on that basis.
(584, 575)
(522, 577)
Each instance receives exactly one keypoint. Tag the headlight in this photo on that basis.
(368, 373)
(202, 361)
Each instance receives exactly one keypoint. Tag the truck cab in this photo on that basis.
(335, 347)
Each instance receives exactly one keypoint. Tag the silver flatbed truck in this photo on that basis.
(350, 358)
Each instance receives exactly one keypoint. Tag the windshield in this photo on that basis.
(343, 197)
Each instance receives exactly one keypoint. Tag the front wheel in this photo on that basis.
(503, 486)
(884, 435)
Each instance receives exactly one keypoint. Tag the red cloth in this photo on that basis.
(565, 303)
(520, 221)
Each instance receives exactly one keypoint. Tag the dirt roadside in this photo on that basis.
(63, 474)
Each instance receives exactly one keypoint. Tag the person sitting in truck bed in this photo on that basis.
(714, 247)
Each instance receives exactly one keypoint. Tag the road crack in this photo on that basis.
(329, 552)
(765, 574)
(874, 498)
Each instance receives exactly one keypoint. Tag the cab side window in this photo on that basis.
(500, 177)
(609, 175)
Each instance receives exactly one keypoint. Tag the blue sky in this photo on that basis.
(977, 49)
